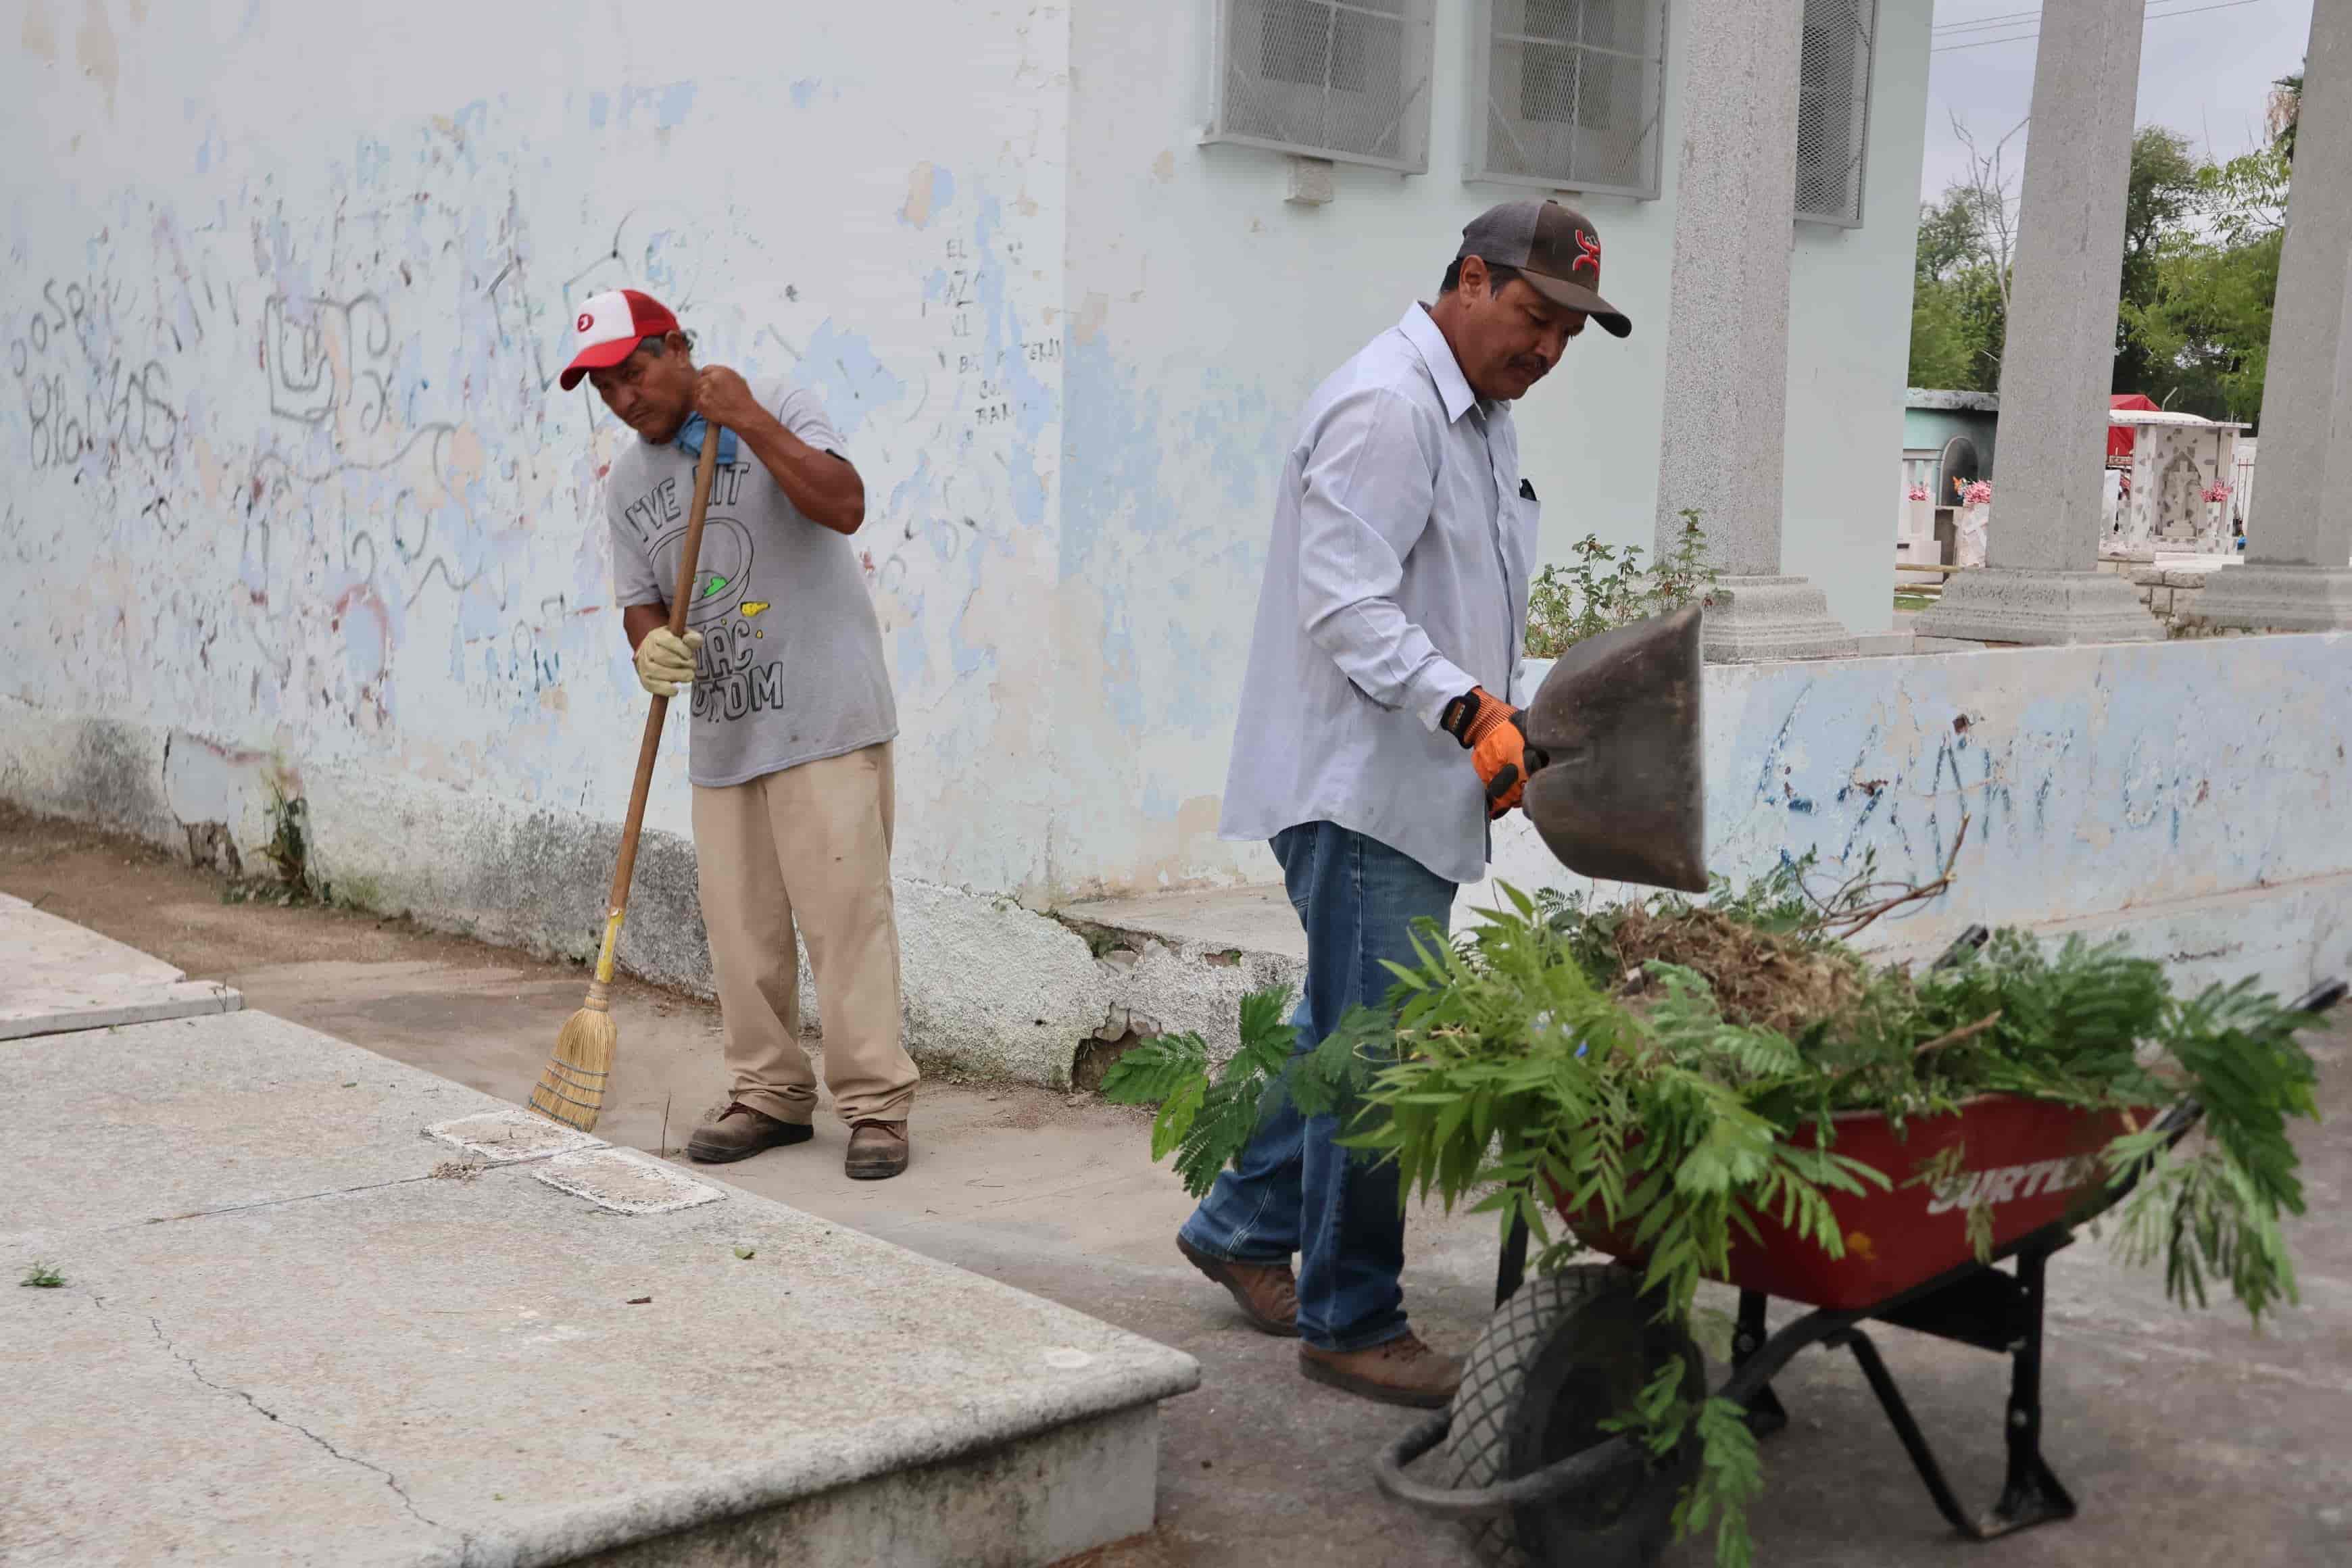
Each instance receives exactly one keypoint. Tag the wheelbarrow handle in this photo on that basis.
(2320, 997)
(1964, 947)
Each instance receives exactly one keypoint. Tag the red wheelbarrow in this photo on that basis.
(1540, 1481)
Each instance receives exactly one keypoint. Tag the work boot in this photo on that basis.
(877, 1150)
(1268, 1293)
(1401, 1372)
(739, 1132)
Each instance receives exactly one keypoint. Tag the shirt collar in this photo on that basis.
(1422, 333)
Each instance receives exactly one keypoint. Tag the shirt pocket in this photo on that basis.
(1523, 545)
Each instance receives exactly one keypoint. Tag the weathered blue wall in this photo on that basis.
(290, 492)
(2193, 793)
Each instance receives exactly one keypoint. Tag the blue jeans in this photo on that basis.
(1294, 1189)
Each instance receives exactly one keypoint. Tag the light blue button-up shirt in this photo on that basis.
(1396, 580)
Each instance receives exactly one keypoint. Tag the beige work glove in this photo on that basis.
(665, 661)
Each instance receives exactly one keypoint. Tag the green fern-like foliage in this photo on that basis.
(1206, 1122)
(1507, 1068)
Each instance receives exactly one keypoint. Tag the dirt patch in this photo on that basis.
(1760, 980)
(1093, 1062)
(1021, 1108)
(197, 920)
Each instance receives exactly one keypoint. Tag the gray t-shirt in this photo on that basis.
(791, 670)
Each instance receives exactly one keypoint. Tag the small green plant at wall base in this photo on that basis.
(288, 848)
(42, 1277)
(1606, 588)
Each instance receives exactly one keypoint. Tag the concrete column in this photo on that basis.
(2040, 583)
(2295, 577)
(1726, 424)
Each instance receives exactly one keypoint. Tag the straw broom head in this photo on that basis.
(571, 1088)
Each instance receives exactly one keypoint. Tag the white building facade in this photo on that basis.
(282, 360)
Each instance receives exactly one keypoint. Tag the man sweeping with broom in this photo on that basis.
(793, 721)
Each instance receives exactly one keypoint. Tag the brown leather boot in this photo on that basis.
(877, 1150)
(1401, 1372)
(739, 1132)
(1268, 1293)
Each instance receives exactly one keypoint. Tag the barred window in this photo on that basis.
(1565, 94)
(1345, 80)
(1834, 109)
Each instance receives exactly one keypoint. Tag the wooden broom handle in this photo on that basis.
(679, 603)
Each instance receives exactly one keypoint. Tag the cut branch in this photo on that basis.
(1969, 1032)
(1843, 926)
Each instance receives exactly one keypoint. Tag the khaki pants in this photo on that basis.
(812, 844)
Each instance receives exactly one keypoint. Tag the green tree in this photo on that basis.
(2204, 330)
(1957, 316)
(1959, 298)
(1949, 237)
(2164, 194)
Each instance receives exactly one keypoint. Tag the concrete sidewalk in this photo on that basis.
(2186, 1437)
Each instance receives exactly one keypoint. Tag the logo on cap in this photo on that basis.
(1590, 257)
(586, 321)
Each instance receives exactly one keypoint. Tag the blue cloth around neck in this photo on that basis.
(689, 439)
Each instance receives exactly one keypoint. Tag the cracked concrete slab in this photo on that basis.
(494, 1372)
(152, 1120)
(153, 1435)
(60, 977)
(280, 1340)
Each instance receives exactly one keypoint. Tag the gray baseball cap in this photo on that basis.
(1554, 248)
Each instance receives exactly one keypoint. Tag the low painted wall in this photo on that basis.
(2189, 796)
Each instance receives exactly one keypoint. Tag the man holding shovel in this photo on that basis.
(1389, 626)
(793, 721)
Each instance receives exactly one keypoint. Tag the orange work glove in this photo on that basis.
(1496, 735)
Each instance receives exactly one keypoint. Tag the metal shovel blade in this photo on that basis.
(1622, 793)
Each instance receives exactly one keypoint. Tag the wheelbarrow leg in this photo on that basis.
(1766, 1414)
(2031, 1494)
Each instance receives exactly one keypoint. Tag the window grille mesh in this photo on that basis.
(1346, 79)
(1834, 109)
(1571, 94)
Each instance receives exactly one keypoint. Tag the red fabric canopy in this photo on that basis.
(2119, 436)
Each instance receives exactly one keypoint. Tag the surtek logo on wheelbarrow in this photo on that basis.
(2004, 1183)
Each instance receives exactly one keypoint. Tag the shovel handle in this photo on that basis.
(690, 552)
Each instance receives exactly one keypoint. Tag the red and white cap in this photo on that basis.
(608, 329)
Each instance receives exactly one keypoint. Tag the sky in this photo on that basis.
(2204, 72)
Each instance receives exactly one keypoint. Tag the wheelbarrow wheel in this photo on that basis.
(1569, 1350)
